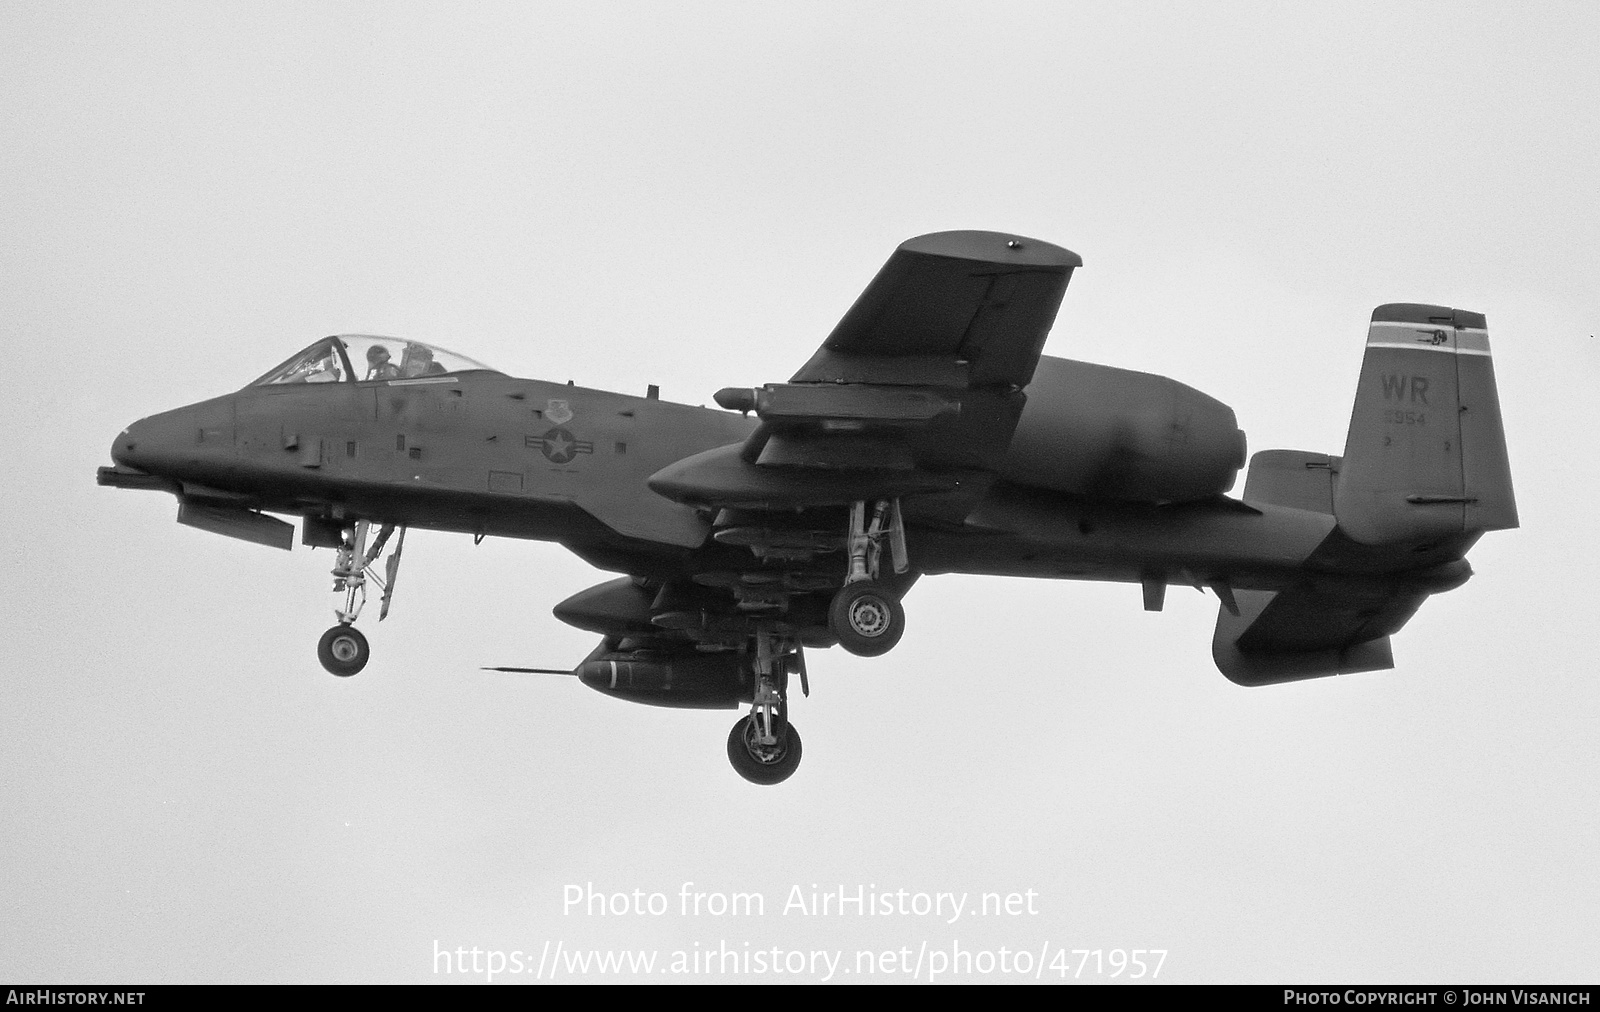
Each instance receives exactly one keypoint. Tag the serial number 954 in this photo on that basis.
(1405, 417)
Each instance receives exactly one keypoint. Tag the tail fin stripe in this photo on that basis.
(1394, 334)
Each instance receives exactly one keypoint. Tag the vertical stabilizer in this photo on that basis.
(1426, 453)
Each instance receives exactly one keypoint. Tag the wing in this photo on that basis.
(917, 391)
(962, 309)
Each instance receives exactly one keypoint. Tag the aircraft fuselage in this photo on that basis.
(491, 455)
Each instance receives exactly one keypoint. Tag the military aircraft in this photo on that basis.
(927, 435)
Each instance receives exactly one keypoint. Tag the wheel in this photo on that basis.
(763, 764)
(867, 619)
(343, 650)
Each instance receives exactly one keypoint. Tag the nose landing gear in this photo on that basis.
(764, 747)
(343, 650)
(762, 763)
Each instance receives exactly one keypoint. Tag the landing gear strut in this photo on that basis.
(343, 650)
(864, 615)
(764, 747)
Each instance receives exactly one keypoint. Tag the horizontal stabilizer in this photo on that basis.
(1293, 478)
(1309, 633)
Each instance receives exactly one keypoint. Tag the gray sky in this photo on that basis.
(692, 195)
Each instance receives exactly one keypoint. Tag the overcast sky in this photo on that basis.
(691, 195)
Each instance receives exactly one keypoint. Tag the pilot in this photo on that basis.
(378, 365)
(419, 362)
(324, 370)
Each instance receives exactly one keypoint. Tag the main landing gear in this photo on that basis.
(764, 747)
(864, 615)
(866, 618)
(343, 650)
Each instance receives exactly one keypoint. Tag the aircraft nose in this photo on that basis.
(126, 445)
(156, 443)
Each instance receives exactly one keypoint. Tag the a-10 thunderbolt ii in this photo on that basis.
(927, 435)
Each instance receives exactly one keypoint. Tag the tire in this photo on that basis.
(343, 650)
(759, 764)
(867, 619)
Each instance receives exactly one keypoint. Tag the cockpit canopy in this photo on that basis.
(363, 358)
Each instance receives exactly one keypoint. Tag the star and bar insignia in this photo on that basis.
(558, 445)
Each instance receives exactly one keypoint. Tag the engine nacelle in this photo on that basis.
(1117, 434)
(719, 681)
